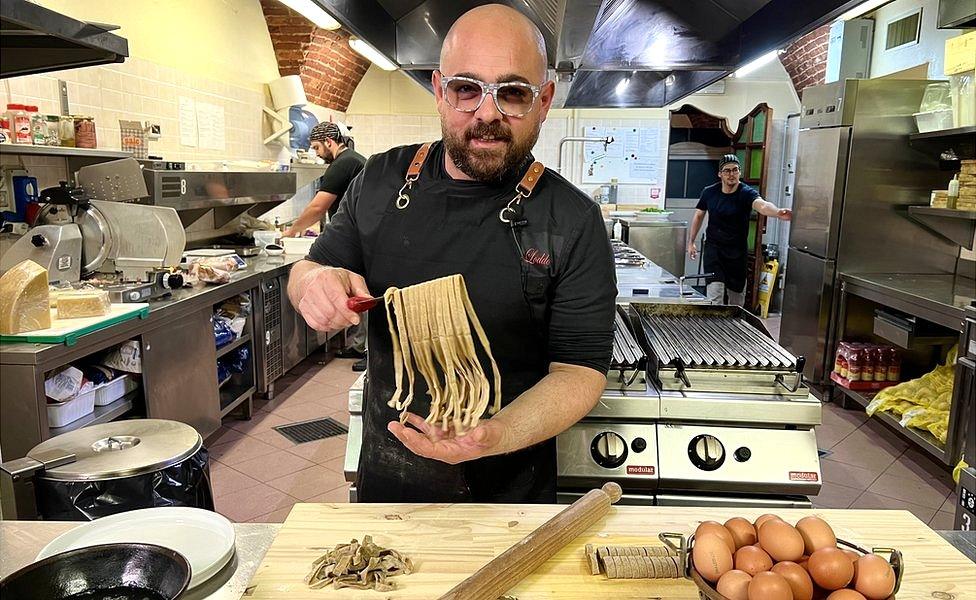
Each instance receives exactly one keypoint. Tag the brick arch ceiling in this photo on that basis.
(329, 68)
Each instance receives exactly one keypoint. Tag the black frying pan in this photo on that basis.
(116, 571)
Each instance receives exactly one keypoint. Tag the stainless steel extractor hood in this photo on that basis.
(34, 39)
(663, 49)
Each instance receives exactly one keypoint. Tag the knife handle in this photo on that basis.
(361, 304)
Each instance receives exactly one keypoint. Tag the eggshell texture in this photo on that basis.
(762, 520)
(711, 557)
(851, 554)
(781, 540)
(830, 568)
(769, 586)
(718, 529)
(797, 577)
(816, 534)
(874, 577)
(752, 560)
(734, 585)
(846, 595)
(743, 532)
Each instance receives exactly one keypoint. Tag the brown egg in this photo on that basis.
(752, 560)
(802, 561)
(830, 568)
(734, 585)
(874, 577)
(851, 554)
(743, 532)
(846, 595)
(797, 577)
(718, 529)
(762, 520)
(769, 586)
(711, 557)
(816, 534)
(781, 540)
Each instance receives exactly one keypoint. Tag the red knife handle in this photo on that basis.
(361, 304)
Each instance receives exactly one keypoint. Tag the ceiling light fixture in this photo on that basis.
(313, 12)
(862, 9)
(372, 54)
(762, 61)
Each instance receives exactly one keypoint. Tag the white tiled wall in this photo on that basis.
(141, 90)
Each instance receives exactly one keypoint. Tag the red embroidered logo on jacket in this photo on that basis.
(537, 257)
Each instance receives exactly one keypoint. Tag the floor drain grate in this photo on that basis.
(309, 431)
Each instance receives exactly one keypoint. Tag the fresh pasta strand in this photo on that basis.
(430, 327)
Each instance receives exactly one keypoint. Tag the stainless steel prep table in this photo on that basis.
(182, 316)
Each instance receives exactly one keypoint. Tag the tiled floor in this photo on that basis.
(258, 474)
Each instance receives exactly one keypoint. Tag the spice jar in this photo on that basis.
(52, 134)
(66, 133)
(85, 132)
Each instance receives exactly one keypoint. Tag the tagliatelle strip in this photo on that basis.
(430, 326)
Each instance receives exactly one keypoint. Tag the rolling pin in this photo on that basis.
(510, 567)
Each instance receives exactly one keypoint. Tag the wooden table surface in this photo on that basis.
(449, 542)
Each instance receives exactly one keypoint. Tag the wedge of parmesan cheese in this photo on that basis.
(83, 303)
(24, 303)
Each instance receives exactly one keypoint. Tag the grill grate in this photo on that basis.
(310, 431)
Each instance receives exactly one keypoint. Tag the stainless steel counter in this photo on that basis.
(652, 283)
(166, 309)
(21, 541)
(663, 242)
(938, 298)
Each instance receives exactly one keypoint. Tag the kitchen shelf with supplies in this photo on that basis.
(102, 414)
(63, 151)
(224, 350)
(961, 139)
(923, 439)
(957, 226)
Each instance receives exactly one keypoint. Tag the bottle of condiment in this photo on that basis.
(20, 123)
(52, 135)
(855, 364)
(613, 191)
(953, 192)
(66, 131)
(867, 369)
(880, 361)
(38, 127)
(893, 362)
(85, 132)
(5, 131)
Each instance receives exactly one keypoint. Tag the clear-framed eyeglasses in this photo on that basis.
(730, 171)
(512, 98)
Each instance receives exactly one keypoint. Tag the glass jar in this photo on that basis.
(85, 132)
(893, 361)
(52, 133)
(855, 364)
(66, 134)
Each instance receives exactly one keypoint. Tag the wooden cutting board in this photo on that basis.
(449, 542)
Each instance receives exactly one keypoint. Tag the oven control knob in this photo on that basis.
(609, 450)
(638, 445)
(743, 454)
(706, 452)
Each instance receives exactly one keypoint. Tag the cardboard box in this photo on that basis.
(960, 53)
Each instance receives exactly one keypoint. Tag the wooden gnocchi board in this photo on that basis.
(449, 542)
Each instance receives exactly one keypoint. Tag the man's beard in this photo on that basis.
(486, 165)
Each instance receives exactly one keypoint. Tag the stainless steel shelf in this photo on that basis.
(62, 152)
(961, 139)
(944, 134)
(923, 439)
(102, 414)
(237, 400)
(957, 226)
(224, 350)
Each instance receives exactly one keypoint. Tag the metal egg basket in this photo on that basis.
(683, 545)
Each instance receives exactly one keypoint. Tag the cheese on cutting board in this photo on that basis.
(24, 303)
(83, 303)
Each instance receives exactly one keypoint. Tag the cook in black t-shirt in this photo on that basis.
(729, 205)
(344, 164)
(543, 291)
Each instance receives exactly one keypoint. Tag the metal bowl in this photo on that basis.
(684, 545)
(113, 570)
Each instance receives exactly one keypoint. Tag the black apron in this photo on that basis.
(442, 232)
(727, 263)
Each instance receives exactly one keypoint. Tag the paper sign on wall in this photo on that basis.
(635, 156)
(188, 122)
(210, 126)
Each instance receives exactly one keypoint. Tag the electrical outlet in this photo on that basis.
(153, 130)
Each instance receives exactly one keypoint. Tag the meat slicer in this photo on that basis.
(96, 231)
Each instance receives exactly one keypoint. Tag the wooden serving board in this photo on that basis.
(67, 331)
(449, 542)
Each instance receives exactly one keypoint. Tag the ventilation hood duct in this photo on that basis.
(667, 49)
(34, 39)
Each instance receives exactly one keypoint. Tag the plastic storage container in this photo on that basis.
(59, 415)
(111, 391)
(934, 120)
(300, 245)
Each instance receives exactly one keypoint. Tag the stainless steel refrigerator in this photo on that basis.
(856, 174)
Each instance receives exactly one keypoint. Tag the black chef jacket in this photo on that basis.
(564, 265)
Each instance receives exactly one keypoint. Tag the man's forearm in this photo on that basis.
(696, 223)
(548, 408)
(765, 208)
(314, 212)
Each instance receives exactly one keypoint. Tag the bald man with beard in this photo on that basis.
(540, 275)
